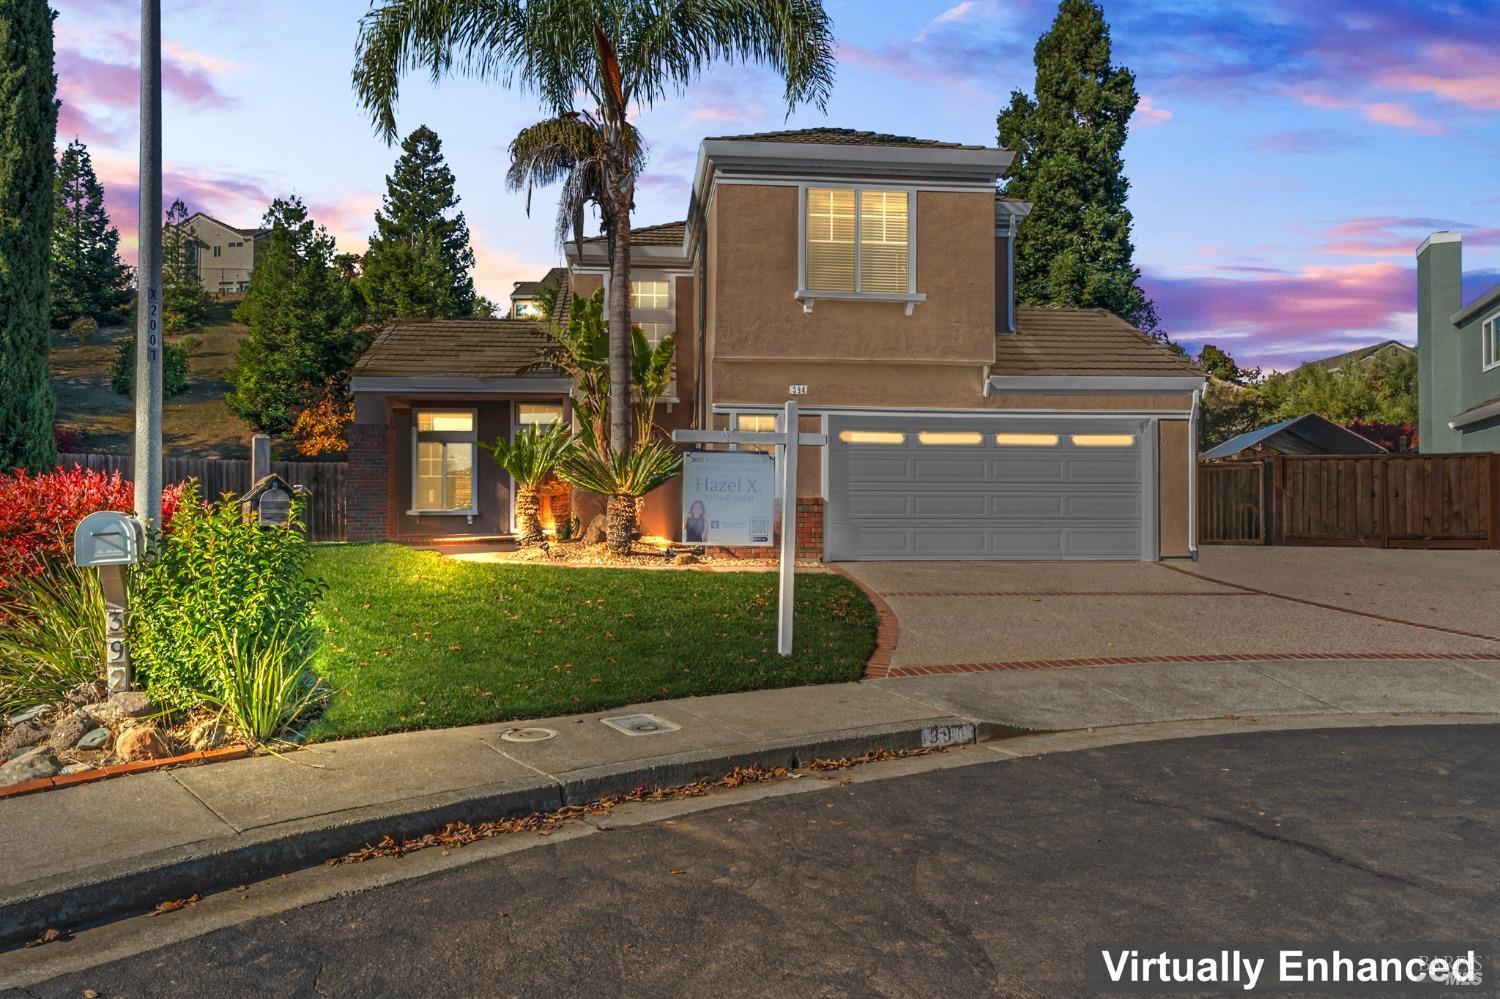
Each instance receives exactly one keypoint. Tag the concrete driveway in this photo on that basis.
(1236, 601)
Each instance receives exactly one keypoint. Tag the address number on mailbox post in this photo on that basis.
(110, 541)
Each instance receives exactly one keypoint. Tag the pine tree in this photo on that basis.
(28, 135)
(303, 320)
(88, 279)
(1074, 249)
(419, 257)
(185, 304)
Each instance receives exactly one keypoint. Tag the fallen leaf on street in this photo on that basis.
(175, 904)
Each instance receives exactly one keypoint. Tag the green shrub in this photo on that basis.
(83, 328)
(215, 575)
(174, 368)
(51, 633)
(262, 682)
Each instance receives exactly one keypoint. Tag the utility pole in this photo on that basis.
(148, 312)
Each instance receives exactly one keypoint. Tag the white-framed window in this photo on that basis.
(443, 461)
(217, 249)
(538, 414)
(650, 295)
(858, 241)
(528, 309)
(1489, 334)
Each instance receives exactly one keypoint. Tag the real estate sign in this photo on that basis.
(728, 497)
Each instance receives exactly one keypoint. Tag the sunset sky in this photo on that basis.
(1286, 158)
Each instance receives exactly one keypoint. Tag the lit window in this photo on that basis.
(1026, 440)
(858, 241)
(655, 333)
(949, 437)
(650, 295)
(1103, 440)
(444, 466)
(528, 310)
(1490, 334)
(871, 437)
(759, 423)
(538, 414)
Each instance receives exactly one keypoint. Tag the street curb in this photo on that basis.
(137, 884)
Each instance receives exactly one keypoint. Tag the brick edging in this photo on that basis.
(1228, 657)
(887, 628)
(122, 769)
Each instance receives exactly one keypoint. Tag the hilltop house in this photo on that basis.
(223, 255)
(870, 276)
(526, 296)
(1458, 351)
(1393, 349)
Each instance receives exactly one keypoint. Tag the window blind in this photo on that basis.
(830, 240)
(858, 241)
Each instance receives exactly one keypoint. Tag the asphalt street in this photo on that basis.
(991, 879)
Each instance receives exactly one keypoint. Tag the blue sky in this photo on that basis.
(1285, 161)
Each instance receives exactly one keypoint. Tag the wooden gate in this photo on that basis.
(323, 514)
(1381, 501)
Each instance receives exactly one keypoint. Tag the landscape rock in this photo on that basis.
(96, 738)
(30, 765)
(686, 558)
(597, 531)
(26, 714)
(140, 742)
(68, 730)
(89, 692)
(211, 733)
(28, 733)
(123, 706)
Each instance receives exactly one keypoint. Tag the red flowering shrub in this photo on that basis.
(39, 512)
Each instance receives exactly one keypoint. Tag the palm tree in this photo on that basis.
(613, 57)
(530, 459)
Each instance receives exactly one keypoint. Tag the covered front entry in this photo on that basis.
(991, 487)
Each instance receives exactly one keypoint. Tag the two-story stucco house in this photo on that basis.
(1458, 354)
(223, 254)
(869, 276)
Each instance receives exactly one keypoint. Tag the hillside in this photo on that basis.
(194, 424)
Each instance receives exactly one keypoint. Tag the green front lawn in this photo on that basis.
(416, 640)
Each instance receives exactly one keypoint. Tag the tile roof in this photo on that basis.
(665, 234)
(843, 137)
(552, 279)
(1089, 342)
(455, 348)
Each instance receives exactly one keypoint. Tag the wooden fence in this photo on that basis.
(1380, 501)
(323, 513)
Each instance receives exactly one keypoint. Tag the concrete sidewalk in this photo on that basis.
(98, 850)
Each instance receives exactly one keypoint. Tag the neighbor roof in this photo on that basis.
(1305, 434)
(528, 289)
(665, 234)
(842, 137)
(1091, 342)
(455, 348)
(1360, 354)
(248, 233)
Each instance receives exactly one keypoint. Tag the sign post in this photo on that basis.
(786, 439)
(111, 541)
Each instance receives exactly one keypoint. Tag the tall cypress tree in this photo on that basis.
(419, 257)
(28, 133)
(88, 278)
(1074, 249)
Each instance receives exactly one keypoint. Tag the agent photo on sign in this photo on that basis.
(695, 524)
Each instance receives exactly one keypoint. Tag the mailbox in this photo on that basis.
(108, 538)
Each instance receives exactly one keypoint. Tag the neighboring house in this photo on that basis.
(223, 254)
(869, 277)
(1458, 373)
(1306, 434)
(525, 298)
(1362, 355)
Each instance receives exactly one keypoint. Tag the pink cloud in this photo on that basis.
(1285, 318)
(1148, 114)
(1392, 236)
(1463, 74)
(1380, 112)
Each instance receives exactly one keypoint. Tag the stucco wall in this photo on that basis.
(1172, 487)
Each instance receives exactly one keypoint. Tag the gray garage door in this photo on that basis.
(990, 488)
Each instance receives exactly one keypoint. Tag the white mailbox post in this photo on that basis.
(786, 440)
(110, 541)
